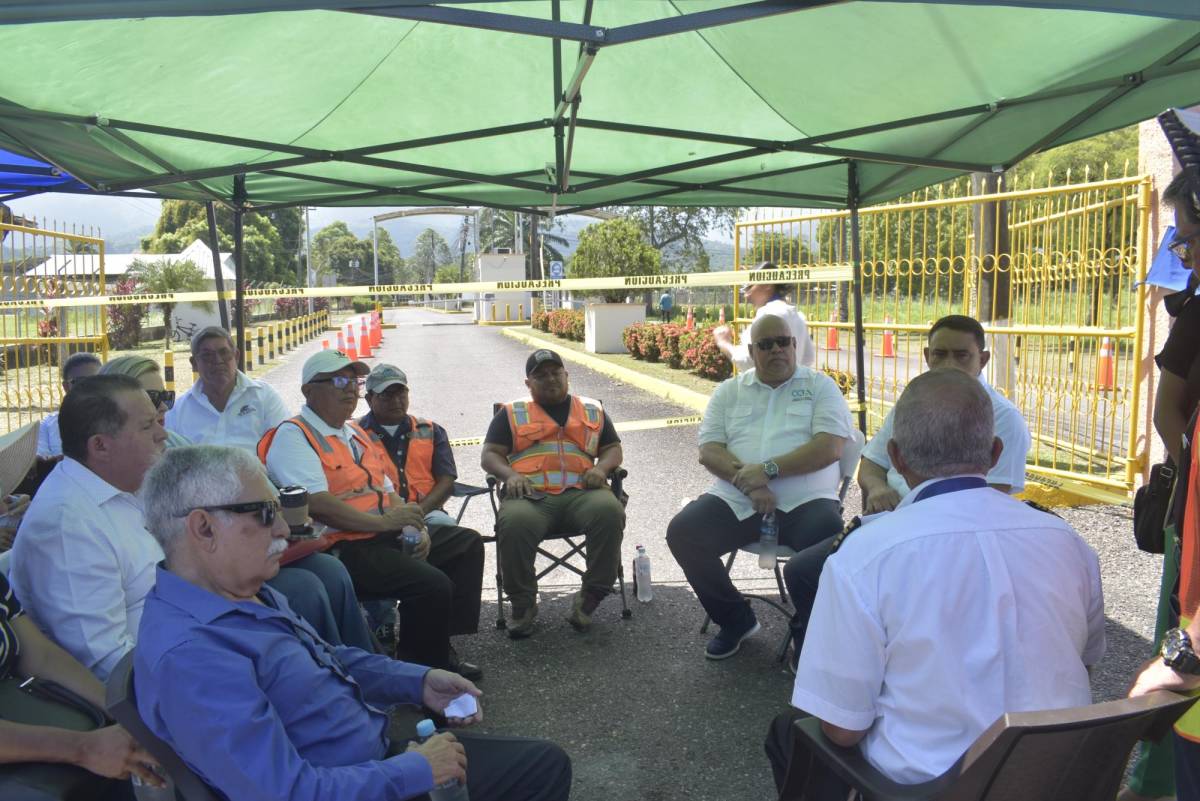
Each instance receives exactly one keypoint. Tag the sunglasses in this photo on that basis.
(339, 381)
(1183, 248)
(266, 510)
(166, 397)
(771, 342)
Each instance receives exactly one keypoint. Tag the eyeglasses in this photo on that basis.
(339, 381)
(1183, 248)
(164, 396)
(215, 356)
(771, 342)
(266, 510)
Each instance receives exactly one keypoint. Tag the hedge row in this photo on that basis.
(565, 323)
(679, 348)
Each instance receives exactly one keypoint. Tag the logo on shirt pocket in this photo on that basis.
(245, 410)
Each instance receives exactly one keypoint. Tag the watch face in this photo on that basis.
(1172, 650)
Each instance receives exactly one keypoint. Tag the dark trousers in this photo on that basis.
(665, 315)
(511, 768)
(1187, 769)
(801, 575)
(438, 597)
(822, 784)
(707, 529)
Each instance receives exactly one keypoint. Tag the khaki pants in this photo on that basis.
(523, 523)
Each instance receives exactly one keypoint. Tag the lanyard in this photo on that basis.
(951, 485)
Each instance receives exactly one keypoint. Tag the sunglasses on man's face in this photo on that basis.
(266, 510)
(166, 397)
(1184, 248)
(339, 381)
(771, 342)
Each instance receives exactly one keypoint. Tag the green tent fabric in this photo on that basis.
(691, 102)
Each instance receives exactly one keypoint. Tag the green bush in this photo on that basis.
(668, 338)
(567, 324)
(362, 304)
(632, 338)
(541, 321)
(707, 358)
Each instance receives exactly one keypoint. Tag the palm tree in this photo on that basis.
(502, 229)
(169, 276)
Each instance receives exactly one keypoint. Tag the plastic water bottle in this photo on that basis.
(453, 790)
(768, 539)
(410, 538)
(641, 575)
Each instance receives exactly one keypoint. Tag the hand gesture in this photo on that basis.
(407, 514)
(750, 477)
(518, 487)
(594, 478)
(441, 687)
(446, 757)
(1155, 675)
(113, 753)
(881, 500)
(763, 500)
(722, 334)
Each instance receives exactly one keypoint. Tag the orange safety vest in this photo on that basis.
(418, 460)
(1188, 726)
(553, 457)
(358, 483)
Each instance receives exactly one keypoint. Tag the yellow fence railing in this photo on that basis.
(1050, 271)
(35, 341)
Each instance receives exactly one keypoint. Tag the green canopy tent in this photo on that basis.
(565, 105)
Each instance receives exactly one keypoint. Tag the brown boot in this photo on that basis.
(582, 606)
(521, 625)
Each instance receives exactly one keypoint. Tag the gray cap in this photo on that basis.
(384, 376)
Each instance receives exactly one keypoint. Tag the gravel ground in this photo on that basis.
(641, 712)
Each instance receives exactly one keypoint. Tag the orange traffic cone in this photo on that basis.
(831, 339)
(341, 342)
(376, 329)
(691, 320)
(364, 339)
(721, 316)
(324, 344)
(1104, 367)
(351, 349)
(889, 341)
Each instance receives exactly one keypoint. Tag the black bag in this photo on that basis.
(1150, 505)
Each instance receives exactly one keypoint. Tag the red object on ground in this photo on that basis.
(324, 344)
(889, 341)
(831, 339)
(691, 320)
(351, 349)
(1104, 367)
(341, 342)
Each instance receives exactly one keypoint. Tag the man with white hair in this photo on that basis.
(258, 704)
(935, 619)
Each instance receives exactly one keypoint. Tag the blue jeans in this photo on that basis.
(1187, 769)
(319, 589)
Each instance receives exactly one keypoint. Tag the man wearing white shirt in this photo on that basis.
(934, 620)
(83, 560)
(77, 366)
(225, 406)
(772, 437)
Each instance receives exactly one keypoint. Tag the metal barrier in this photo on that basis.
(1050, 271)
(38, 263)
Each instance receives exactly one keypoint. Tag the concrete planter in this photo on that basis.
(604, 322)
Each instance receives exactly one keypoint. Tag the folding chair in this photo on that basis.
(1076, 754)
(847, 466)
(574, 541)
(123, 707)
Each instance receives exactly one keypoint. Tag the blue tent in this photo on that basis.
(21, 175)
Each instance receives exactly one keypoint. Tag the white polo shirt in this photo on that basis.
(49, 438)
(291, 460)
(806, 351)
(933, 620)
(82, 565)
(1010, 427)
(253, 409)
(756, 423)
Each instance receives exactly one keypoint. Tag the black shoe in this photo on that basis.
(729, 639)
(465, 669)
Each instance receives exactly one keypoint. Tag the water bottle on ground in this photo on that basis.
(641, 575)
(410, 538)
(452, 790)
(768, 540)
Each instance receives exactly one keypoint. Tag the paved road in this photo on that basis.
(639, 709)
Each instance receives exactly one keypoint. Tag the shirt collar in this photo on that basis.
(750, 378)
(203, 605)
(240, 382)
(914, 492)
(97, 489)
(323, 428)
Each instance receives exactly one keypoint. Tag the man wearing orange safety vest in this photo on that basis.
(345, 470)
(554, 451)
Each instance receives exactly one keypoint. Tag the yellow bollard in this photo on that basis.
(508, 312)
(493, 312)
(520, 311)
(261, 345)
(270, 342)
(248, 350)
(169, 370)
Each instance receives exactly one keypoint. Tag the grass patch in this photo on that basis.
(658, 370)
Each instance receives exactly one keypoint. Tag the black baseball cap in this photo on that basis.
(540, 357)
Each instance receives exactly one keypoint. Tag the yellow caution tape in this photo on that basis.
(790, 275)
(1081, 489)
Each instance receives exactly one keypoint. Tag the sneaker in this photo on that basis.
(521, 624)
(729, 639)
(465, 669)
(582, 606)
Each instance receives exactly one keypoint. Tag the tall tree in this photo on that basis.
(614, 248)
(338, 252)
(268, 256)
(430, 251)
(678, 232)
(509, 229)
(392, 269)
(168, 276)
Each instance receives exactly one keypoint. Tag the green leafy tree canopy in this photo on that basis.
(612, 248)
(169, 276)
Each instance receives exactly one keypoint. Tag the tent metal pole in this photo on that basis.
(239, 268)
(860, 359)
(218, 274)
(375, 247)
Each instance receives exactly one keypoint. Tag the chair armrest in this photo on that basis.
(462, 490)
(853, 767)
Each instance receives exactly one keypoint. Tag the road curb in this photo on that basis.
(655, 386)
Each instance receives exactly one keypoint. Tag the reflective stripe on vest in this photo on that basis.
(554, 458)
(358, 483)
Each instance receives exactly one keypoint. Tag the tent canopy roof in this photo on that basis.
(522, 105)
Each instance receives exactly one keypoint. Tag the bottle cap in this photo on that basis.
(426, 728)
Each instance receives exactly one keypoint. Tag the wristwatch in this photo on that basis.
(770, 468)
(1177, 652)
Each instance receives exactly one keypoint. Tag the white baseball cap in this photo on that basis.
(324, 362)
